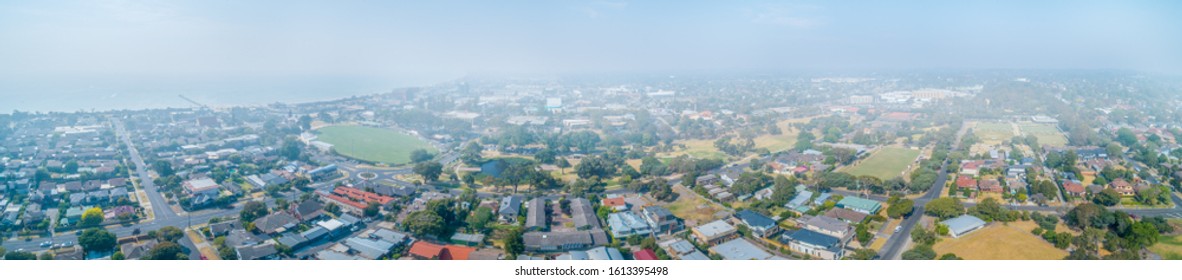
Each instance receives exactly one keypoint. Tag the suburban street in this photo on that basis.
(160, 208)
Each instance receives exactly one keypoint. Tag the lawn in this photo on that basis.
(1001, 242)
(885, 163)
(371, 143)
(993, 133)
(1048, 135)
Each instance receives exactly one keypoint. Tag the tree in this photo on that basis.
(290, 149)
(169, 234)
(864, 254)
(1113, 149)
(471, 153)
(1086, 215)
(163, 168)
(252, 210)
(783, 189)
(512, 242)
(563, 164)
(920, 252)
(900, 208)
(1142, 235)
(1126, 137)
(71, 167)
(429, 170)
(1107, 197)
(97, 240)
(479, 219)
(20, 255)
(425, 222)
(923, 236)
(372, 209)
(863, 234)
(950, 256)
(420, 155)
(91, 217)
(944, 208)
(166, 251)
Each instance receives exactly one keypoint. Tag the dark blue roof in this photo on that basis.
(814, 238)
(755, 219)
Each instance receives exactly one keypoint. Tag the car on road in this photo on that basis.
(66, 244)
(898, 228)
(46, 243)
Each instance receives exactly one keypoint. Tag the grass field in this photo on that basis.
(697, 149)
(1048, 135)
(885, 163)
(1169, 247)
(371, 143)
(691, 207)
(784, 141)
(1001, 242)
(993, 133)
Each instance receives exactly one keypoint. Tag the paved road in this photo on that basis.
(160, 207)
(898, 241)
(124, 231)
(164, 215)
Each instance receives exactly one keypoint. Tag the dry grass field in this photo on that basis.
(1001, 242)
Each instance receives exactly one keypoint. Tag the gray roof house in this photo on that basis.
(535, 215)
(583, 214)
(740, 249)
(962, 225)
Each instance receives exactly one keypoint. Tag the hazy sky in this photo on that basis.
(430, 41)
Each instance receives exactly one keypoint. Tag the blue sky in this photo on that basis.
(420, 42)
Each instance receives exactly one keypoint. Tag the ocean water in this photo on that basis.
(89, 94)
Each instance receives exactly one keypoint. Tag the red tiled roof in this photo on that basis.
(427, 250)
(966, 182)
(345, 201)
(613, 202)
(645, 254)
(456, 252)
(1073, 187)
(361, 195)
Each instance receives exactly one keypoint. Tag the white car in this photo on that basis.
(898, 228)
(46, 243)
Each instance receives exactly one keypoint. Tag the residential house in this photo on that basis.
(860, 204)
(509, 209)
(829, 226)
(262, 251)
(662, 220)
(583, 214)
(989, 185)
(847, 215)
(535, 215)
(1120, 185)
(740, 249)
(814, 244)
(1074, 188)
(625, 224)
(563, 241)
(714, 232)
(759, 224)
(277, 222)
(430, 251)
